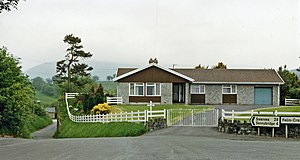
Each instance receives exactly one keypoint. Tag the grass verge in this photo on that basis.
(69, 129)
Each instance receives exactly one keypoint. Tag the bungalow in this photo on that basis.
(198, 86)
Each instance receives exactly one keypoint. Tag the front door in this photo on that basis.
(178, 93)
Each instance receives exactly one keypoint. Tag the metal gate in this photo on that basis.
(192, 117)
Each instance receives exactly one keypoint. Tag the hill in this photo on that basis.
(101, 69)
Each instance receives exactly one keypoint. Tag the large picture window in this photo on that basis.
(229, 89)
(153, 89)
(198, 89)
(136, 89)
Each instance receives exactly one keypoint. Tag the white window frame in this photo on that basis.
(229, 87)
(199, 85)
(134, 88)
(153, 85)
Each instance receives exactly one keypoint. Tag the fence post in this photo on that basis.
(223, 115)
(132, 116)
(146, 116)
(192, 117)
(139, 115)
(165, 114)
(232, 118)
(285, 101)
(121, 117)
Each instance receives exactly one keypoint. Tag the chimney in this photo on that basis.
(153, 61)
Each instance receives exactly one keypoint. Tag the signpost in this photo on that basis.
(265, 121)
(289, 120)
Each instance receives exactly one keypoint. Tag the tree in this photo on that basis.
(220, 65)
(95, 78)
(69, 69)
(38, 83)
(291, 87)
(201, 67)
(8, 4)
(16, 97)
(109, 77)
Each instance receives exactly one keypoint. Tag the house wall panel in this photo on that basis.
(229, 99)
(198, 98)
(144, 99)
(153, 74)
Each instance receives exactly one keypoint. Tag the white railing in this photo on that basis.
(139, 116)
(114, 100)
(233, 115)
(291, 102)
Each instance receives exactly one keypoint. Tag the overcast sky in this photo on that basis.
(241, 33)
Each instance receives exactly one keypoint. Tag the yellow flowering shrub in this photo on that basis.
(103, 108)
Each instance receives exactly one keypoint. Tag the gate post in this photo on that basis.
(193, 117)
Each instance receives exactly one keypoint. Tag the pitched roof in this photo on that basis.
(248, 76)
(239, 76)
(124, 72)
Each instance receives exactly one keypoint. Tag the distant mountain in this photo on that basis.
(101, 69)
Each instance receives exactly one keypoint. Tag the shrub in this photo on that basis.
(101, 109)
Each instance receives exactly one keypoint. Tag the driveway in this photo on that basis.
(46, 133)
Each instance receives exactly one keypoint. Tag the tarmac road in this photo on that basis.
(182, 143)
(167, 144)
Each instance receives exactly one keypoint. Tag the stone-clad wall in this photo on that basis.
(245, 94)
(213, 94)
(275, 95)
(123, 91)
(243, 128)
(166, 93)
(187, 94)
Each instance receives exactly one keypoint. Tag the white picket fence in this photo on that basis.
(235, 115)
(291, 102)
(139, 116)
(114, 100)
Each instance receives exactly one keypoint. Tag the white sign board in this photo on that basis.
(264, 121)
(290, 120)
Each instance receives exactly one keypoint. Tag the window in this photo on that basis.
(229, 89)
(136, 89)
(153, 89)
(198, 89)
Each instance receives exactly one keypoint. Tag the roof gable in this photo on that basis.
(154, 73)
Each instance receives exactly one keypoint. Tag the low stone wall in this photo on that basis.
(243, 128)
(156, 124)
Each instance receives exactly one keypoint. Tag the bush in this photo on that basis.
(101, 109)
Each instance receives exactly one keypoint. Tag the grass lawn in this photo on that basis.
(44, 98)
(281, 109)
